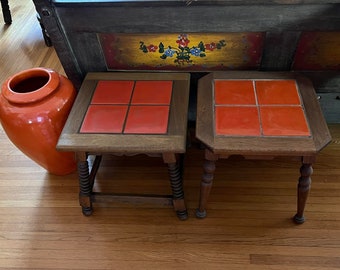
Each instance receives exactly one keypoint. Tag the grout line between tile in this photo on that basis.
(170, 107)
(128, 107)
(258, 109)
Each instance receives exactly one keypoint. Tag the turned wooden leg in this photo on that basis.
(206, 182)
(85, 185)
(6, 12)
(304, 185)
(176, 182)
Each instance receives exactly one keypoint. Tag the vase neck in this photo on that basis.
(30, 85)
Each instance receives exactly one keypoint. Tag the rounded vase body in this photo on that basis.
(34, 106)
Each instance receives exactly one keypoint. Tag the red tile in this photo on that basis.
(236, 120)
(147, 120)
(234, 92)
(283, 121)
(152, 92)
(113, 92)
(277, 92)
(104, 119)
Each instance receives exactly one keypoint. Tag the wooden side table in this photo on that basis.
(259, 115)
(129, 113)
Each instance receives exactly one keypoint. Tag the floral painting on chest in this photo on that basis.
(182, 51)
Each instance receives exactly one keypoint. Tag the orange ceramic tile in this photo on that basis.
(236, 120)
(113, 92)
(277, 92)
(234, 92)
(104, 119)
(147, 120)
(152, 92)
(283, 121)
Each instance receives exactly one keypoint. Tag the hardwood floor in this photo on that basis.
(22, 44)
(249, 214)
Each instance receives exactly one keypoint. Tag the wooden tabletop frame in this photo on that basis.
(72, 140)
(261, 145)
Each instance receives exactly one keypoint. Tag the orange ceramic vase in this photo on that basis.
(34, 105)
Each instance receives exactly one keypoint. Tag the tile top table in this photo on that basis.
(129, 113)
(129, 107)
(260, 115)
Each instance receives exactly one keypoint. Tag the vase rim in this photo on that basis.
(36, 94)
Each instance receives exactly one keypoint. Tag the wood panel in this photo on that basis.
(318, 50)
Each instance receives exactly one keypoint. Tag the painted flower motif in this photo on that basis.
(182, 53)
(183, 41)
(169, 52)
(211, 46)
(152, 48)
(195, 51)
